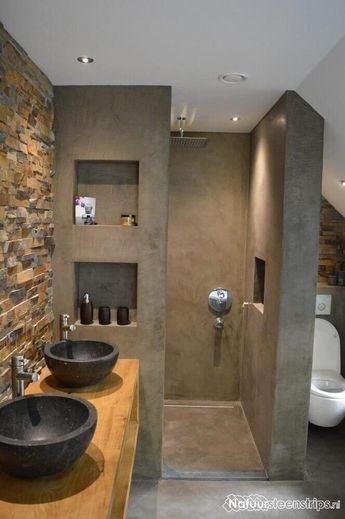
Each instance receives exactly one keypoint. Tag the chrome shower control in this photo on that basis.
(220, 301)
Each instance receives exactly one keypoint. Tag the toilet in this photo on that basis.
(327, 393)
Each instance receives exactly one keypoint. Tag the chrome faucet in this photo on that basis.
(19, 376)
(65, 327)
(219, 323)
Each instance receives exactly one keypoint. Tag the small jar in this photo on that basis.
(332, 280)
(341, 278)
(128, 219)
(123, 316)
(104, 315)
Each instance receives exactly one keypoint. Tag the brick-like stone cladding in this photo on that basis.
(26, 217)
(332, 240)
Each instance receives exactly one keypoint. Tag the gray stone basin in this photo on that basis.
(80, 363)
(44, 434)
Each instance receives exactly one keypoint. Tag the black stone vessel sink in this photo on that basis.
(80, 363)
(44, 434)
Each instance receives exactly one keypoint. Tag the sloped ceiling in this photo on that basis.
(324, 89)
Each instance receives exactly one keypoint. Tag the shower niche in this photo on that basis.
(114, 185)
(259, 281)
(108, 284)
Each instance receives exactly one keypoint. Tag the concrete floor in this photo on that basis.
(181, 499)
(213, 438)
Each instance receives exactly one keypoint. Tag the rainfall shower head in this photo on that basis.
(188, 142)
(180, 141)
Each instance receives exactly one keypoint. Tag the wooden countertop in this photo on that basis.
(101, 476)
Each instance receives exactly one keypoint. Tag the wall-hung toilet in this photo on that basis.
(327, 394)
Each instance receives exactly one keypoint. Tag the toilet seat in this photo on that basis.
(328, 384)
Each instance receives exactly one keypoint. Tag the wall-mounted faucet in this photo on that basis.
(219, 303)
(219, 323)
(65, 327)
(19, 376)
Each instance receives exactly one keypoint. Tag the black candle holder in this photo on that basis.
(104, 315)
(123, 316)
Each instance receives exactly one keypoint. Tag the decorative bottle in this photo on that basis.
(86, 310)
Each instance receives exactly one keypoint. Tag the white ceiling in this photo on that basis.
(278, 44)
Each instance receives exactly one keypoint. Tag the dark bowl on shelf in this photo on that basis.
(44, 434)
(80, 363)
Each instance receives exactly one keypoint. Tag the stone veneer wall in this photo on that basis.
(332, 240)
(26, 217)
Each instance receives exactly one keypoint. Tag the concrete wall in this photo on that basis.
(207, 221)
(26, 218)
(283, 230)
(120, 124)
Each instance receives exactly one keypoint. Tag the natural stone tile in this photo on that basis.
(16, 296)
(4, 199)
(332, 241)
(26, 159)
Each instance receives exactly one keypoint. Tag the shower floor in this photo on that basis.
(208, 441)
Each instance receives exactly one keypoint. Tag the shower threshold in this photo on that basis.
(209, 441)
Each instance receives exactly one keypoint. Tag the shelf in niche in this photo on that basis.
(113, 324)
(114, 184)
(259, 307)
(325, 285)
(102, 225)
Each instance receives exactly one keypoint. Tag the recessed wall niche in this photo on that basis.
(259, 281)
(108, 284)
(114, 184)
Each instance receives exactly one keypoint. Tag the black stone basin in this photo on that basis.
(44, 434)
(80, 363)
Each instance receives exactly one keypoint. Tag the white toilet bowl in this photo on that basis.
(327, 392)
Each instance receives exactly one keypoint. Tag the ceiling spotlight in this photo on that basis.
(230, 78)
(235, 118)
(342, 182)
(85, 59)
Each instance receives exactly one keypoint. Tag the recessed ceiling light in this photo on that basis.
(342, 182)
(85, 59)
(235, 118)
(230, 78)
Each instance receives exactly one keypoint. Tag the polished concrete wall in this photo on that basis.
(283, 230)
(110, 123)
(208, 191)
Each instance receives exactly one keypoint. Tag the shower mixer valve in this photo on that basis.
(219, 303)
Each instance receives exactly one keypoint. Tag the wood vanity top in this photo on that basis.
(96, 486)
